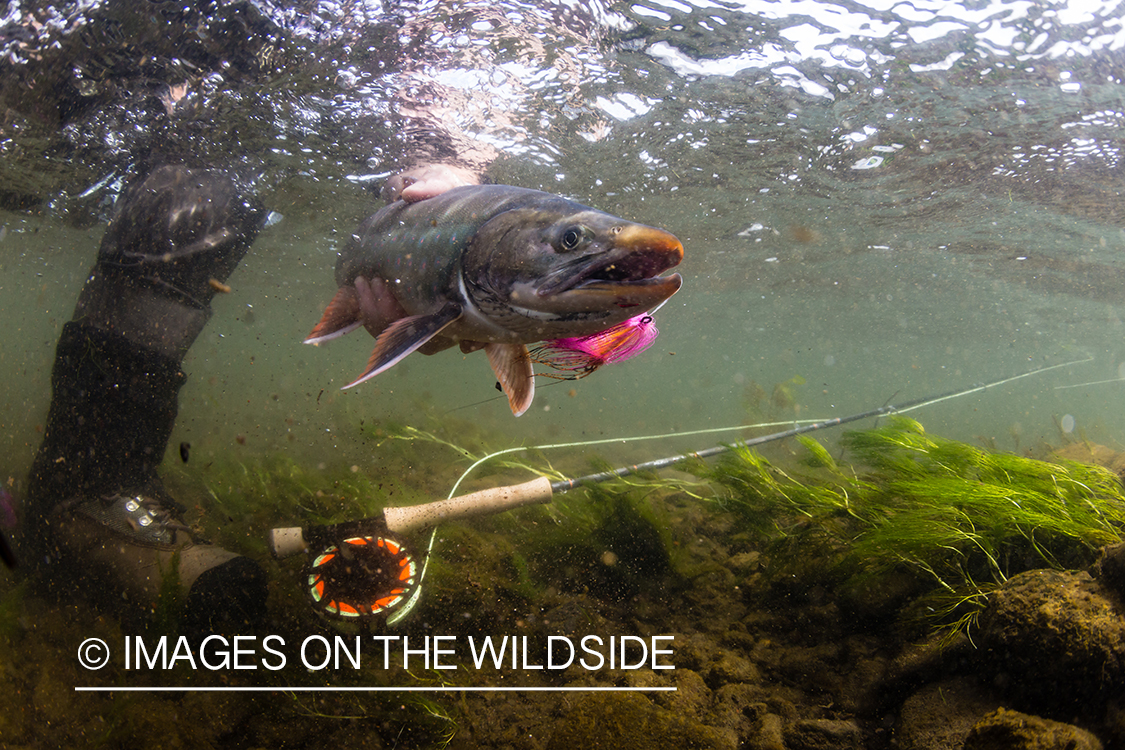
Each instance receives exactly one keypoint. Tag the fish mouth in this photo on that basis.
(629, 270)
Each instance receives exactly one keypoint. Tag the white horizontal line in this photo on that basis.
(304, 689)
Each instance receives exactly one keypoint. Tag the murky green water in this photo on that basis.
(879, 200)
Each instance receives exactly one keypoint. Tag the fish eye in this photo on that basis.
(572, 237)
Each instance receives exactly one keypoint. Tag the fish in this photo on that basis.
(494, 267)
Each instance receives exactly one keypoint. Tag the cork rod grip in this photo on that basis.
(485, 502)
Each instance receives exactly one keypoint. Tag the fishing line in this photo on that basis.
(1092, 382)
(351, 538)
(405, 610)
(802, 427)
(498, 398)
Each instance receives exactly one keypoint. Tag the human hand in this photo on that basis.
(426, 181)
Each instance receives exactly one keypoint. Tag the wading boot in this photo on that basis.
(98, 513)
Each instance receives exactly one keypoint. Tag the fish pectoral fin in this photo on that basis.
(341, 316)
(512, 365)
(404, 336)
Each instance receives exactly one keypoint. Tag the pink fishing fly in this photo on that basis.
(581, 355)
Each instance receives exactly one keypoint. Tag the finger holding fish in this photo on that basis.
(427, 181)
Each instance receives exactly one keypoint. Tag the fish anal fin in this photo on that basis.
(512, 365)
(405, 336)
(341, 316)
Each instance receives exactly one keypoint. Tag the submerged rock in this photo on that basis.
(1046, 628)
(940, 715)
(1115, 722)
(824, 734)
(628, 720)
(1012, 730)
(1110, 568)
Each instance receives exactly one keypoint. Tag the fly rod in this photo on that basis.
(285, 542)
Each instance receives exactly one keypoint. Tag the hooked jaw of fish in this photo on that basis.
(623, 277)
(585, 279)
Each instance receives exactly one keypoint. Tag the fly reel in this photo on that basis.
(362, 576)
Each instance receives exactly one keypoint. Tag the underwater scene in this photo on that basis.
(789, 415)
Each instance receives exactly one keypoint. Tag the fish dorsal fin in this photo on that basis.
(512, 365)
(405, 336)
(341, 316)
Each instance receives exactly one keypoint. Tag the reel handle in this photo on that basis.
(287, 541)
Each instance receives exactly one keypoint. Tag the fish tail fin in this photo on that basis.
(341, 316)
(512, 365)
(405, 336)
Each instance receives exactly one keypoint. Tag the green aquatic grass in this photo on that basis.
(565, 543)
(1001, 510)
(235, 501)
(485, 462)
(964, 518)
